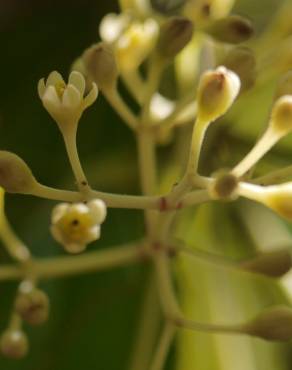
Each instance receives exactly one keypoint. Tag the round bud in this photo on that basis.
(273, 324)
(15, 175)
(241, 60)
(175, 34)
(233, 29)
(216, 93)
(32, 306)
(273, 264)
(14, 344)
(281, 119)
(224, 186)
(100, 65)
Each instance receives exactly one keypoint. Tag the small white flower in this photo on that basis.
(66, 102)
(76, 225)
(131, 41)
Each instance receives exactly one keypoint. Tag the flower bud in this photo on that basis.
(14, 344)
(273, 264)
(281, 118)
(224, 186)
(233, 29)
(279, 198)
(167, 7)
(101, 66)
(241, 60)
(32, 305)
(216, 93)
(275, 324)
(175, 34)
(15, 175)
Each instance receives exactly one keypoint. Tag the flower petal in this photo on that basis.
(41, 87)
(55, 78)
(112, 26)
(97, 209)
(76, 79)
(90, 97)
(59, 211)
(51, 100)
(71, 97)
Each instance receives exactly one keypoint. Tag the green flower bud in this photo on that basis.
(14, 344)
(32, 304)
(274, 324)
(216, 93)
(281, 118)
(175, 34)
(100, 65)
(15, 175)
(273, 264)
(241, 60)
(233, 29)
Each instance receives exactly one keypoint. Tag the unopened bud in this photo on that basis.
(241, 60)
(14, 344)
(273, 264)
(175, 34)
(224, 186)
(32, 305)
(279, 198)
(233, 29)
(274, 324)
(15, 175)
(281, 118)
(284, 86)
(100, 65)
(216, 93)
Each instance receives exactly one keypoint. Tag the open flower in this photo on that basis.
(132, 42)
(76, 225)
(66, 102)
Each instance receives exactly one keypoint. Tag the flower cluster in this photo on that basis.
(199, 44)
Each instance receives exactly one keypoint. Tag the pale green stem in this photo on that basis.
(210, 328)
(120, 107)
(72, 265)
(266, 142)
(163, 346)
(15, 247)
(167, 295)
(275, 177)
(194, 198)
(135, 84)
(147, 328)
(71, 147)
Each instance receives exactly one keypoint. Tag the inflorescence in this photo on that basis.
(136, 47)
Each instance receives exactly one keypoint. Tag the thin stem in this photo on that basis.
(196, 146)
(121, 108)
(135, 84)
(274, 177)
(210, 328)
(251, 191)
(147, 328)
(14, 246)
(194, 198)
(72, 265)
(163, 347)
(167, 295)
(266, 142)
(71, 147)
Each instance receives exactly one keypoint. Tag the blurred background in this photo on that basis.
(93, 317)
